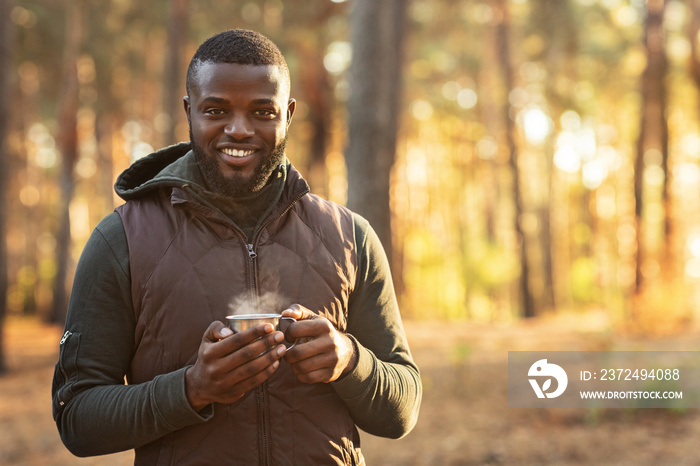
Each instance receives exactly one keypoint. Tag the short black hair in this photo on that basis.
(239, 46)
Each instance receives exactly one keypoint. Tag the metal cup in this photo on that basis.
(241, 322)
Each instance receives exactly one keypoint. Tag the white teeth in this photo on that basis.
(236, 153)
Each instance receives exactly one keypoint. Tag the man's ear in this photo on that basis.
(291, 106)
(186, 103)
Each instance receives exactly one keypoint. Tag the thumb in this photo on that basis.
(299, 312)
(217, 331)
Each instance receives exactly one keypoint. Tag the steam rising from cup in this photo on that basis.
(267, 303)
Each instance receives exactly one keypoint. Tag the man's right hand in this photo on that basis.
(228, 365)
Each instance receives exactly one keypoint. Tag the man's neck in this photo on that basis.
(249, 211)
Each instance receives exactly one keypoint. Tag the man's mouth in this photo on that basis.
(236, 152)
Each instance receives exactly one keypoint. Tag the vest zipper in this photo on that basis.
(262, 390)
(251, 251)
(265, 454)
(250, 247)
(252, 255)
(253, 272)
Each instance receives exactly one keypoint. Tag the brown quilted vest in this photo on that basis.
(189, 264)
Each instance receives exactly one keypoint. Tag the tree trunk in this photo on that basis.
(105, 162)
(693, 30)
(67, 142)
(319, 96)
(653, 128)
(375, 87)
(490, 115)
(557, 23)
(174, 76)
(5, 98)
(502, 36)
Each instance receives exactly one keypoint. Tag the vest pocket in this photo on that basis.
(66, 370)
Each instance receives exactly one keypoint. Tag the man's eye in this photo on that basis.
(267, 113)
(213, 111)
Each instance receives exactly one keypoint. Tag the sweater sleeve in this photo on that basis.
(95, 411)
(384, 391)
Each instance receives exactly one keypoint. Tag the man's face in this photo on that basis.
(238, 117)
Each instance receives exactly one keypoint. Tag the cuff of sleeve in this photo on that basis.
(170, 401)
(354, 383)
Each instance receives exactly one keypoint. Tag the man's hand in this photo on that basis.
(322, 353)
(228, 365)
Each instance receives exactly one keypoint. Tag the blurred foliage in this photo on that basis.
(576, 103)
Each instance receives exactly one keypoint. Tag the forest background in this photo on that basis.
(521, 160)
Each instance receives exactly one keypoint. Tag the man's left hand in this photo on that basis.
(322, 354)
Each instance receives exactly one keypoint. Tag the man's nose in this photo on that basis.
(239, 127)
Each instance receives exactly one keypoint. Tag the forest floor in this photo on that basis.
(464, 420)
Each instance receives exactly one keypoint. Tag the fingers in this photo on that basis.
(234, 386)
(217, 331)
(316, 369)
(237, 390)
(319, 376)
(228, 364)
(299, 312)
(315, 358)
(255, 349)
(309, 328)
(220, 340)
(323, 354)
(238, 380)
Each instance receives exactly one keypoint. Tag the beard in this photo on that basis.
(238, 186)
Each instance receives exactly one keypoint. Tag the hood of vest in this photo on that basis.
(157, 170)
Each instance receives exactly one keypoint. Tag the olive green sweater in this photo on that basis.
(97, 413)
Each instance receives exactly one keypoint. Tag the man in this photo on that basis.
(221, 225)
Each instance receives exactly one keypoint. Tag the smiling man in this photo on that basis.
(215, 226)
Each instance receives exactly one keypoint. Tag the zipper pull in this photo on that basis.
(251, 252)
(65, 337)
